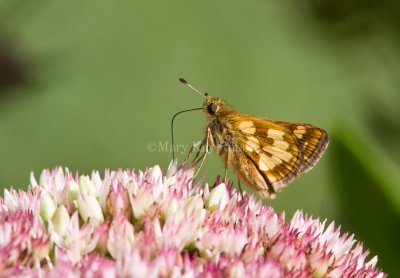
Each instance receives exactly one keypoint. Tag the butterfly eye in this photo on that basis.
(212, 108)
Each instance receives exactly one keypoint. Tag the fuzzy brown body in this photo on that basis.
(265, 154)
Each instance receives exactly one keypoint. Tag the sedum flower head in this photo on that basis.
(147, 224)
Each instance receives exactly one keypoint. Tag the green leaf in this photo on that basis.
(369, 189)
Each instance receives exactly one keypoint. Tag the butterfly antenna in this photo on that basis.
(183, 81)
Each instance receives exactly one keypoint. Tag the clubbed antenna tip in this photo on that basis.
(183, 81)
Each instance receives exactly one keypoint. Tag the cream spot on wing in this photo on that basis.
(298, 135)
(275, 134)
(252, 144)
(299, 131)
(246, 124)
(281, 144)
(247, 127)
(266, 163)
(276, 160)
(284, 155)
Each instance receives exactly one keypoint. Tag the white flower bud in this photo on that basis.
(219, 195)
(47, 207)
(86, 185)
(73, 192)
(89, 208)
(141, 203)
(61, 220)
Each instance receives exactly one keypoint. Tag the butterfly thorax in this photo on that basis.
(219, 125)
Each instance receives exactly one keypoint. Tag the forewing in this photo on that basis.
(313, 141)
(281, 151)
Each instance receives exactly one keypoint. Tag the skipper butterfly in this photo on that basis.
(265, 154)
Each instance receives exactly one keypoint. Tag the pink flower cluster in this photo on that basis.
(148, 225)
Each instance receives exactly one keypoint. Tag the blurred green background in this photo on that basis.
(89, 84)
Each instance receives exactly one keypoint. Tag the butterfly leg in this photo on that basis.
(203, 157)
(199, 157)
(226, 164)
(201, 160)
(199, 145)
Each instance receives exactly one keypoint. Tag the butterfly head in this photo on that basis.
(212, 106)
